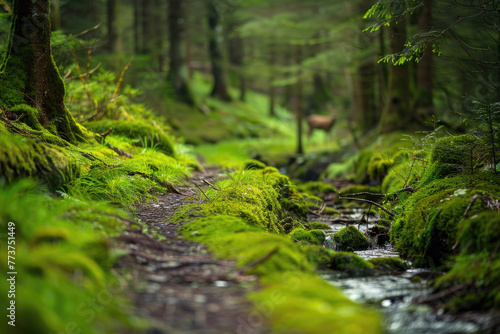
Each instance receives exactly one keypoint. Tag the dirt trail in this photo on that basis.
(176, 283)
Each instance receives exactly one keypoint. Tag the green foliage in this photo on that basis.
(455, 154)
(350, 238)
(63, 261)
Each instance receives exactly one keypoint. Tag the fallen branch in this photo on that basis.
(211, 185)
(473, 199)
(201, 191)
(392, 214)
(105, 134)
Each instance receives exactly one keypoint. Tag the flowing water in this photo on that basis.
(394, 295)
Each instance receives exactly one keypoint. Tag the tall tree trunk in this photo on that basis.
(367, 108)
(148, 23)
(158, 32)
(236, 54)
(55, 15)
(215, 48)
(137, 26)
(29, 76)
(298, 101)
(397, 113)
(425, 66)
(114, 26)
(272, 89)
(178, 71)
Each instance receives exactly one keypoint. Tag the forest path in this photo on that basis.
(176, 284)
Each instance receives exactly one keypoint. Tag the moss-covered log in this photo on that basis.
(29, 76)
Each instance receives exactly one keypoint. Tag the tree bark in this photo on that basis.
(137, 25)
(178, 71)
(298, 102)
(366, 85)
(148, 22)
(215, 47)
(55, 15)
(397, 111)
(114, 26)
(425, 66)
(29, 76)
(236, 53)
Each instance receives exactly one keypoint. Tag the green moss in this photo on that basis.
(23, 157)
(305, 236)
(145, 134)
(254, 164)
(318, 234)
(350, 263)
(480, 233)
(291, 291)
(389, 263)
(316, 188)
(303, 303)
(230, 237)
(318, 226)
(350, 238)
(455, 154)
(378, 167)
(426, 230)
(54, 240)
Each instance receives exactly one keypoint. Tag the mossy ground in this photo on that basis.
(56, 240)
(293, 298)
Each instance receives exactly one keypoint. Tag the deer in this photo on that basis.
(321, 122)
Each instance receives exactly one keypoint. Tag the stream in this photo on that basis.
(393, 294)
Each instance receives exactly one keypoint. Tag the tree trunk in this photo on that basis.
(113, 20)
(272, 89)
(367, 107)
(425, 66)
(29, 76)
(137, 26)
(148, 31)
(55, 15)
(397, 113)
(178, 71)
(298, 102)
(215, 42)
(236, 59)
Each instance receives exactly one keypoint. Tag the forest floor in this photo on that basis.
(176, 285)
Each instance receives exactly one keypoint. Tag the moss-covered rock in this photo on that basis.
(318, 234)
(426, 230)
(391, 264)
(305, 236)
(319, 226)
(351, 264)
(350, 238)
(455, 154)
